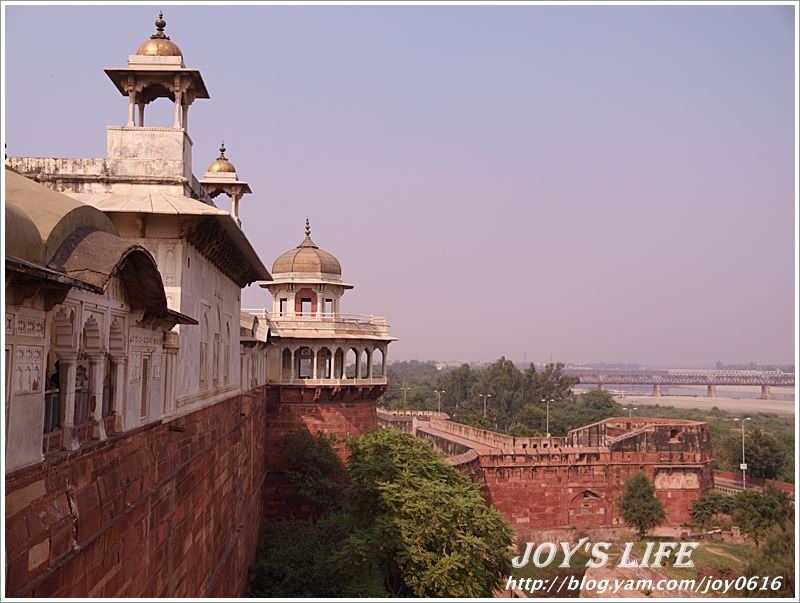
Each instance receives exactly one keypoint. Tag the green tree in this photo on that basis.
(315, 468)
(639, 506)
(407, 524)
(764, 453)
(758, 513)
(323, 557)
(709, 505)
(775, 560)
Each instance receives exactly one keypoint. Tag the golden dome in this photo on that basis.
(221, 163)
(307, 257)
(159, 44)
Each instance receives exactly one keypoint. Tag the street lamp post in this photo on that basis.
(439, 393)
(743, 466)
(404, 390)
(547, 415)
(630, 411)
(485, 400)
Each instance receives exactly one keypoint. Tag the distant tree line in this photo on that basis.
(519, 400)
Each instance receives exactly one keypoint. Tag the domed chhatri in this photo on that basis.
(159, 44)
(221, 163)
(307, 257)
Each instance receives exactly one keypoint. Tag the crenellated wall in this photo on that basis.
(575, 481)
(170, 509)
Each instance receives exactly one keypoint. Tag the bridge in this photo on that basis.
(710, 378)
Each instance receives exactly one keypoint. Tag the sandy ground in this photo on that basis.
(753, 405)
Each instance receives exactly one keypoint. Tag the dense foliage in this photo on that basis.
(776, 560)
(639, 506)
(759, 513)
(401, 523)
(711, 504)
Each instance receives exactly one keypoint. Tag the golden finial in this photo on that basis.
(160, 25)
(222, 150)
(308, 228)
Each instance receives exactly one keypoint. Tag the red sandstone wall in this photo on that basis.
(160, 512)
(542, 497)
(341, 411)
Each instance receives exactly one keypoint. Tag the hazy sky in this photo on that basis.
(576, 183)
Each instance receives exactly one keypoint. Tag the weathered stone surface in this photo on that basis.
(170, 510)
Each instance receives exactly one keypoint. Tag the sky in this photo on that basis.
(571, 183)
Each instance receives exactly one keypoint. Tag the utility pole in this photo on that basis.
(404, 390)
(547, 415)
(439, 393)
(485, 399)
(743, 466)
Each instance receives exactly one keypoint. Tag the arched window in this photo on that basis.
(338, 364)
(377, 362)
(305, 358)
(324, 368)
(351, 364)
(363, 371)
(286, 364)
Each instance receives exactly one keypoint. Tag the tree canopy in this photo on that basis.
(639, 506)
(403, 523)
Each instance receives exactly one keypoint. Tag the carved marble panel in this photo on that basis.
(28, 368)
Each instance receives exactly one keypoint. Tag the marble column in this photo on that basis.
(67, 366)
(97, 370)
(120, 387)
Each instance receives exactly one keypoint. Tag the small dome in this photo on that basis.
(221, 163)
(159, 44)
(307, 257)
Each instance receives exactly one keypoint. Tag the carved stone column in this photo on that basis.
(120, 386)
(67, 366)
(131, 109)
(177, 122)
(97, 368)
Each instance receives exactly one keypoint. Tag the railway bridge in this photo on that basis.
(682, 377)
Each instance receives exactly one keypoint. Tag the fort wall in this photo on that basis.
(170, 509)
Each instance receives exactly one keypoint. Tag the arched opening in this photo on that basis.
(338, 364)
(587, 510)
(61, 338)
(305, 358)
(81, 414)
(351, 364)
(363, 370)
(377, 362)
(286, 364)
(305, 302)
(324, 368)
(116, 338)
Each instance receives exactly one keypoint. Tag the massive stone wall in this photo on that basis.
(575, 482)
(170, 509)
(535, 494)
(339, 411)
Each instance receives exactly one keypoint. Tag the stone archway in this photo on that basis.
(587, 510)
